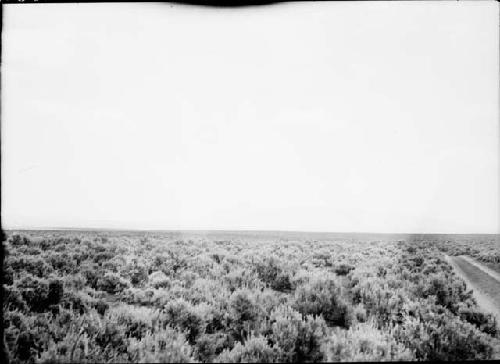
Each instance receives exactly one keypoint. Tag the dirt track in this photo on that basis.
(485, 285)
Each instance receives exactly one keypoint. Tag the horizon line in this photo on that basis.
(100, 229)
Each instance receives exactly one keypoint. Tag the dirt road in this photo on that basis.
(484, 282)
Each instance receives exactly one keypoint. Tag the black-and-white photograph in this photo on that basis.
(309, 181)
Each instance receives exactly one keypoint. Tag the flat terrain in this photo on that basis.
(482, 280)
(248, 296)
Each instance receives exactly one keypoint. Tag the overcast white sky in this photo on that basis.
(368, 117)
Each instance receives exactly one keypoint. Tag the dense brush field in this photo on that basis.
(161, 297)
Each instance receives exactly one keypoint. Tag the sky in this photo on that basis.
(324, 116)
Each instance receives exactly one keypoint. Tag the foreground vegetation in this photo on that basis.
(103, 297)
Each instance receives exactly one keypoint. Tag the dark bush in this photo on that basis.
(159, 279)
(418, 261)
(8, 276)
(18, 240)
(45, 244)
(411, 249)
(138, 275)
(244, 313)
(322, 297)
(273, 275)
(101, 307)
(255, 350)
(296, 339)
(91, 274)
(56, 292)
(343, 269)
(77, 301)
(448, 292)
(111, 337)
(62, 262)
(55, 309)
(484, 322)
(180, 314)
(29, 264)
(102, 257)
(34, 292)
(25, 346)
(12, 299)
(15, 319)
(210, 345)
(165, 346)
(445, 337)
(29, 250)
(111, 283)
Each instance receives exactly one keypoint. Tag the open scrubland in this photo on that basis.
(242, 297)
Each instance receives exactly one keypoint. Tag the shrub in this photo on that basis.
(111, 283)
(75, 282)
(364, 342)
(134, 296)
(182, 315)
(55, 293)
(268, 300)
(138, 276)
(111, 337)
(241, 278)
(444, 337)
(273, 275)
(103, 256)
(87, 340)
(322, 297)
(25, 346)
(343, 269)
(217, 320)
(14, 324)
(18, 240)
(159, 279)
(244, 313)
(448, 292)
(62, 262)
(232, 300)
(91, 273)
(297, 339)
(101, 307)
(13, 299)
(78, 301)
(34, 292)
(15, 319)
(46, 244)
(208, 346)
(136, 321)
(8, 276)
(164, 346)
(217, 257)
(411, 250)
(255, 350)
(359, 313)
(33, 265)
(73, 346)
(484, 322)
